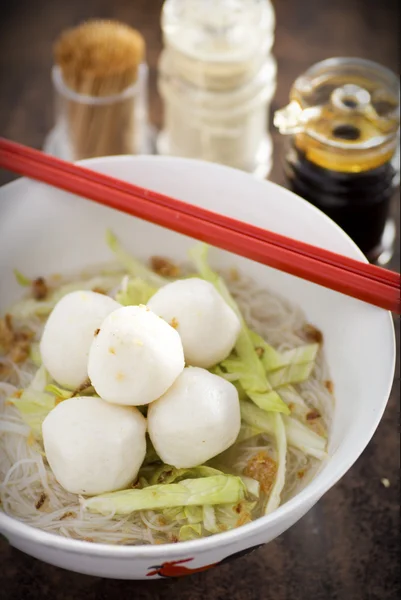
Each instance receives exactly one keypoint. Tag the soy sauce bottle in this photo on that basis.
(343, 149)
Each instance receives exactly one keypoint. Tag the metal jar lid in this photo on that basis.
(344, 114)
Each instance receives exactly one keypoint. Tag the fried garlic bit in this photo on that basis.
(39, 288)
(263, 468)
(13, 342)
(164, 267)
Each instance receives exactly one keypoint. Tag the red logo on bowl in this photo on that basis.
(176, 568)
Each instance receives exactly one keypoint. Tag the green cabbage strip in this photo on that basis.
(40, 380)
(232, 377)
(209, 519)
(133, 266)
(281, 450)
(306, 440)
(167, 474)
(252, 486)
(29, 307)
(248, 370)
(22, 279)
(246, 366)
(205, 514)
(298, 435)
(269, 357)
(291, 374)
(229, 516)
(58, 391)
(34, 407)
(299, 408)
(301, 362)
(64, 394)
(193, 514)
(213, 519)
(247, 432)
(134, 292)
(174, 514)
(292, 366)
(34, 354)
(189, 532)
(219, 489)
(37, 400)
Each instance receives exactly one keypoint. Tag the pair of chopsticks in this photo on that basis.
(360, 280)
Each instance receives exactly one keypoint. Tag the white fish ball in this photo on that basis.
(196, 419)
(207, 325)
(135, 357)
(69, 332)
(92, 446)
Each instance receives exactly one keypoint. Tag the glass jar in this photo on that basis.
(217, 79)
(343, 128)
(89, 126)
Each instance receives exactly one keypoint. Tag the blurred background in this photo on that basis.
(347, 547)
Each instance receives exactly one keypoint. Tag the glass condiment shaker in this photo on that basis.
(217, 78)
(100, 80)
(343, 150)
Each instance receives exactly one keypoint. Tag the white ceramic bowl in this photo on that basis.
(43, 230)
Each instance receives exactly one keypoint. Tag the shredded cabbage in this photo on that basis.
(189, 532)
(229, 516)
(298, 435)
(34, 354)
(246, 432)
(131, 264)
(22, 279)
(135, 291)
(193, 514)
(300, 363)
(306, 440)
(209, 519)
(252, 486)
(30, 307)
(269, 357)
(167, 474)
(292, 366)
(219, 489)
(34, 406)
(281, 452)
(58, 391)
(40, 380)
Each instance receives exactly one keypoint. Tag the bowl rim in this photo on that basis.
(306, 498)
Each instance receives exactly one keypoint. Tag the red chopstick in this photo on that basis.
(323, 255)
(363, 281)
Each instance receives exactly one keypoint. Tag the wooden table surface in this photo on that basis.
(347, 547)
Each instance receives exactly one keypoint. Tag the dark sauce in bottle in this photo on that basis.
(358, 202)
(343, 125)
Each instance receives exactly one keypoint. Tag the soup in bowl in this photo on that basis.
(165, 406)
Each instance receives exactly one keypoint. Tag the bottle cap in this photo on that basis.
(344, 114)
